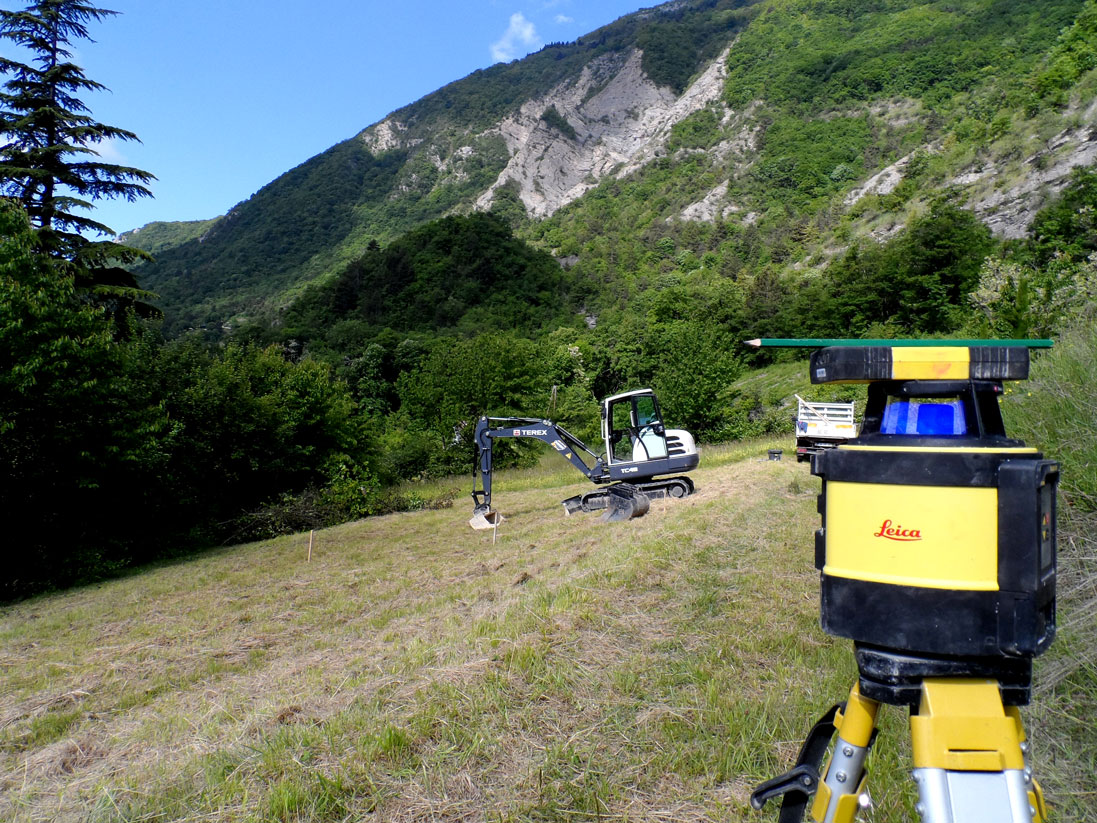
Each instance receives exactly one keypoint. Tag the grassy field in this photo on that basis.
(651, 670)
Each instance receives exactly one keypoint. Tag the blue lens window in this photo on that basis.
(925, 417)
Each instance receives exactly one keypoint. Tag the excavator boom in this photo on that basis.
(562, 441)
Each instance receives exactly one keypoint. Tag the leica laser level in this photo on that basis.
(937, 557)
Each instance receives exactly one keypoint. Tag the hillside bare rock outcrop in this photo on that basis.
(618, 120)
(622, 121)
(1009, 211)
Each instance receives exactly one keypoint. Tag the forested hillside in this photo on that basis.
(158, 237)
(752, 138)
(460, 273)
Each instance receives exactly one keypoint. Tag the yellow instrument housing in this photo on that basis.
(909, 535)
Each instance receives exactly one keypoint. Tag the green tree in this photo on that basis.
(497, 374)
(248, 426)
(119, 452)
(78, 435)
(1068, 226)
(49, 161)
(920, 279)
(697, 361)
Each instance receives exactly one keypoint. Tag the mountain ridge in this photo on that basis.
(777, 113)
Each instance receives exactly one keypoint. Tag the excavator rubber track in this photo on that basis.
(621, 501)
(676, 487)
(599, 499)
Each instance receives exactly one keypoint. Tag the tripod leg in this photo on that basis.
(1036, 794)
(968, 760)
(838, 798)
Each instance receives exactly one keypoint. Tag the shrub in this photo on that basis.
(554, 120)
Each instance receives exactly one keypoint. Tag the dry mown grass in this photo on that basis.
(649, 670)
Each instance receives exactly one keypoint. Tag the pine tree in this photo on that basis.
(48, 160)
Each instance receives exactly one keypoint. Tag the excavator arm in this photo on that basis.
(566, 444)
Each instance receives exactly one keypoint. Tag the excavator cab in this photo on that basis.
(633, 428)
(640, 449)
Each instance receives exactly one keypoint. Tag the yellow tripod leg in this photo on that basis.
(968, 761)
(1035, 793)
(838, 797)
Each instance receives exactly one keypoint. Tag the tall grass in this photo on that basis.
(1056, 411)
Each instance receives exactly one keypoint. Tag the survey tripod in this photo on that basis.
(937, 557)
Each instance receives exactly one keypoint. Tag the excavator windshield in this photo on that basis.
(636, 431)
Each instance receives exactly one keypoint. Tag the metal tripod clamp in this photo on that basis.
(797, 785)
(839, 791)
(969, 756)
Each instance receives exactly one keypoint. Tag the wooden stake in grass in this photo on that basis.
(311, 535)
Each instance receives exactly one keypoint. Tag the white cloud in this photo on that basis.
(521, 32)
(563, 18)
(110, 151)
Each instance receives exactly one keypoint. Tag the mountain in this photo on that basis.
(447, 153)
(743, 135)
(161, 236)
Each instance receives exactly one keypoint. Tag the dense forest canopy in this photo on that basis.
(457, 273)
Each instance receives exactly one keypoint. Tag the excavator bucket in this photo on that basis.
(573, 504)
(485, 518)
(624, 502)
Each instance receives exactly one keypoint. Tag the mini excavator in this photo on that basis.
(640, 452)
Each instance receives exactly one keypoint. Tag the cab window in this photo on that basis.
(621, 423)
(645, 411)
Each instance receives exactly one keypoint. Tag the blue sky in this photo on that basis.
(226, 95)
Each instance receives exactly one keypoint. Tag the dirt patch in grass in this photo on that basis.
(66, 758)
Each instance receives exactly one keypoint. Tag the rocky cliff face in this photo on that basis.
(1004, 192)
(620, 121)
(1009, 209)
(610, 120)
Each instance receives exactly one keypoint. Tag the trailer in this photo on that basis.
(821, 426)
